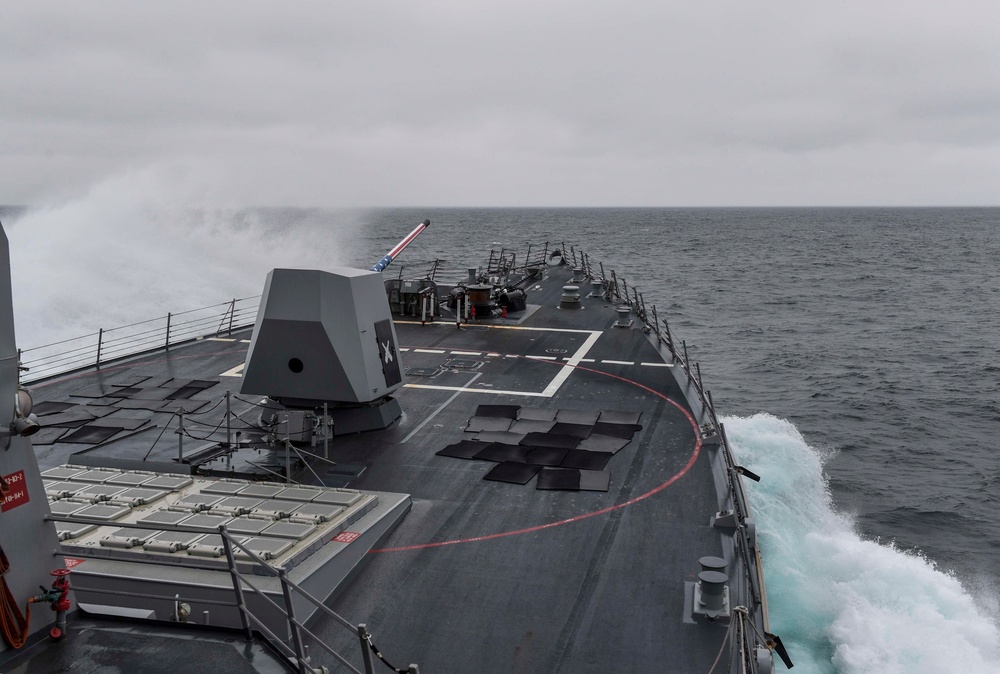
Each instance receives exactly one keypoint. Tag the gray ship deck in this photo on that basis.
(483, 575)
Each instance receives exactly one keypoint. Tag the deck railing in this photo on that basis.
(293, 646)
(106, 345)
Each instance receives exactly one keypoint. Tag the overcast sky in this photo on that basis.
(512, 103)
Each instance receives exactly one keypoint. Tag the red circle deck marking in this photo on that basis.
(576, 518)
(503, 534)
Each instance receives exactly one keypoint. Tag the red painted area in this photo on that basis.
(72, 562)
(346, 536)
(18, 494)
(652, 492)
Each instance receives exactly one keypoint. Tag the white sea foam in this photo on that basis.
(842, 603)
(140, 244)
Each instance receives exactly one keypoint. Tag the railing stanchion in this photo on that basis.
(326, 431)
(100, 341)
(168, 330)
(229, 425)
(232, 312)
(366, 653)
(293, 626)
(227, 545)
(180, 437)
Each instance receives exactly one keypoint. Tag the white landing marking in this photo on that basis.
(443, 405)
(493, 355)
(574, 360)
(235, 372)
(466, 353)
(657, 364)
(220, 339)
(244, 341)
(619, 362)
(564, 372)
(428, 351)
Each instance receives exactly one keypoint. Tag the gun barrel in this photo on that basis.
(398, 248)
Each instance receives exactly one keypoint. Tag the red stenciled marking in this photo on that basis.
(655, 490)
(346, 536)
(73, 562)
(17, 491)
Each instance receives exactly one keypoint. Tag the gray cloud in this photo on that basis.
(513, 103)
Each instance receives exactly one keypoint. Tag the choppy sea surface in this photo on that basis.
(854, 355)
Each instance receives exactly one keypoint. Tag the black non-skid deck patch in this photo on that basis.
(123, 392)
(480, 424)
(124, 424)
(505, 411)
(575, 430)
(151, 394)
(603, 443)
(93, 392)
(584, 460)
(545, 456)
(70, 418)
(501, 453)
(183, 393)
(91, 435)
(464, 449)
(500, 436)
(535, 414)
(149, 405)
(567, 479)
(47, 407)
(550, 440)
(47, 436)
(619, 417)
(617, 430)
(186, 406)
(531, 426)
(566, 445)
(571, 479)
(514, 473)
(578, 416)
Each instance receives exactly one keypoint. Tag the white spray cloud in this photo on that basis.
(143, 243)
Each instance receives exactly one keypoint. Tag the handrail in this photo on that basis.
(744, 641)
(297, 652)
(106, 345)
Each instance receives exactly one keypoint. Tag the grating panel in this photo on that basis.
(98, 476)
(293, 530)
(62, 473)
(104, 512)
(341, 498)
(224, 487)
(262, 490)
(130, 479)
(164, 518)
(299, 494)
(169, 482)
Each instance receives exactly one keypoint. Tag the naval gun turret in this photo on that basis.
(324, 345)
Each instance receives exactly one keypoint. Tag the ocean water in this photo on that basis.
(854, 355)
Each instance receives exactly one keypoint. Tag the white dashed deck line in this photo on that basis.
(619, 362)
(657, 364)
(553, 386)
